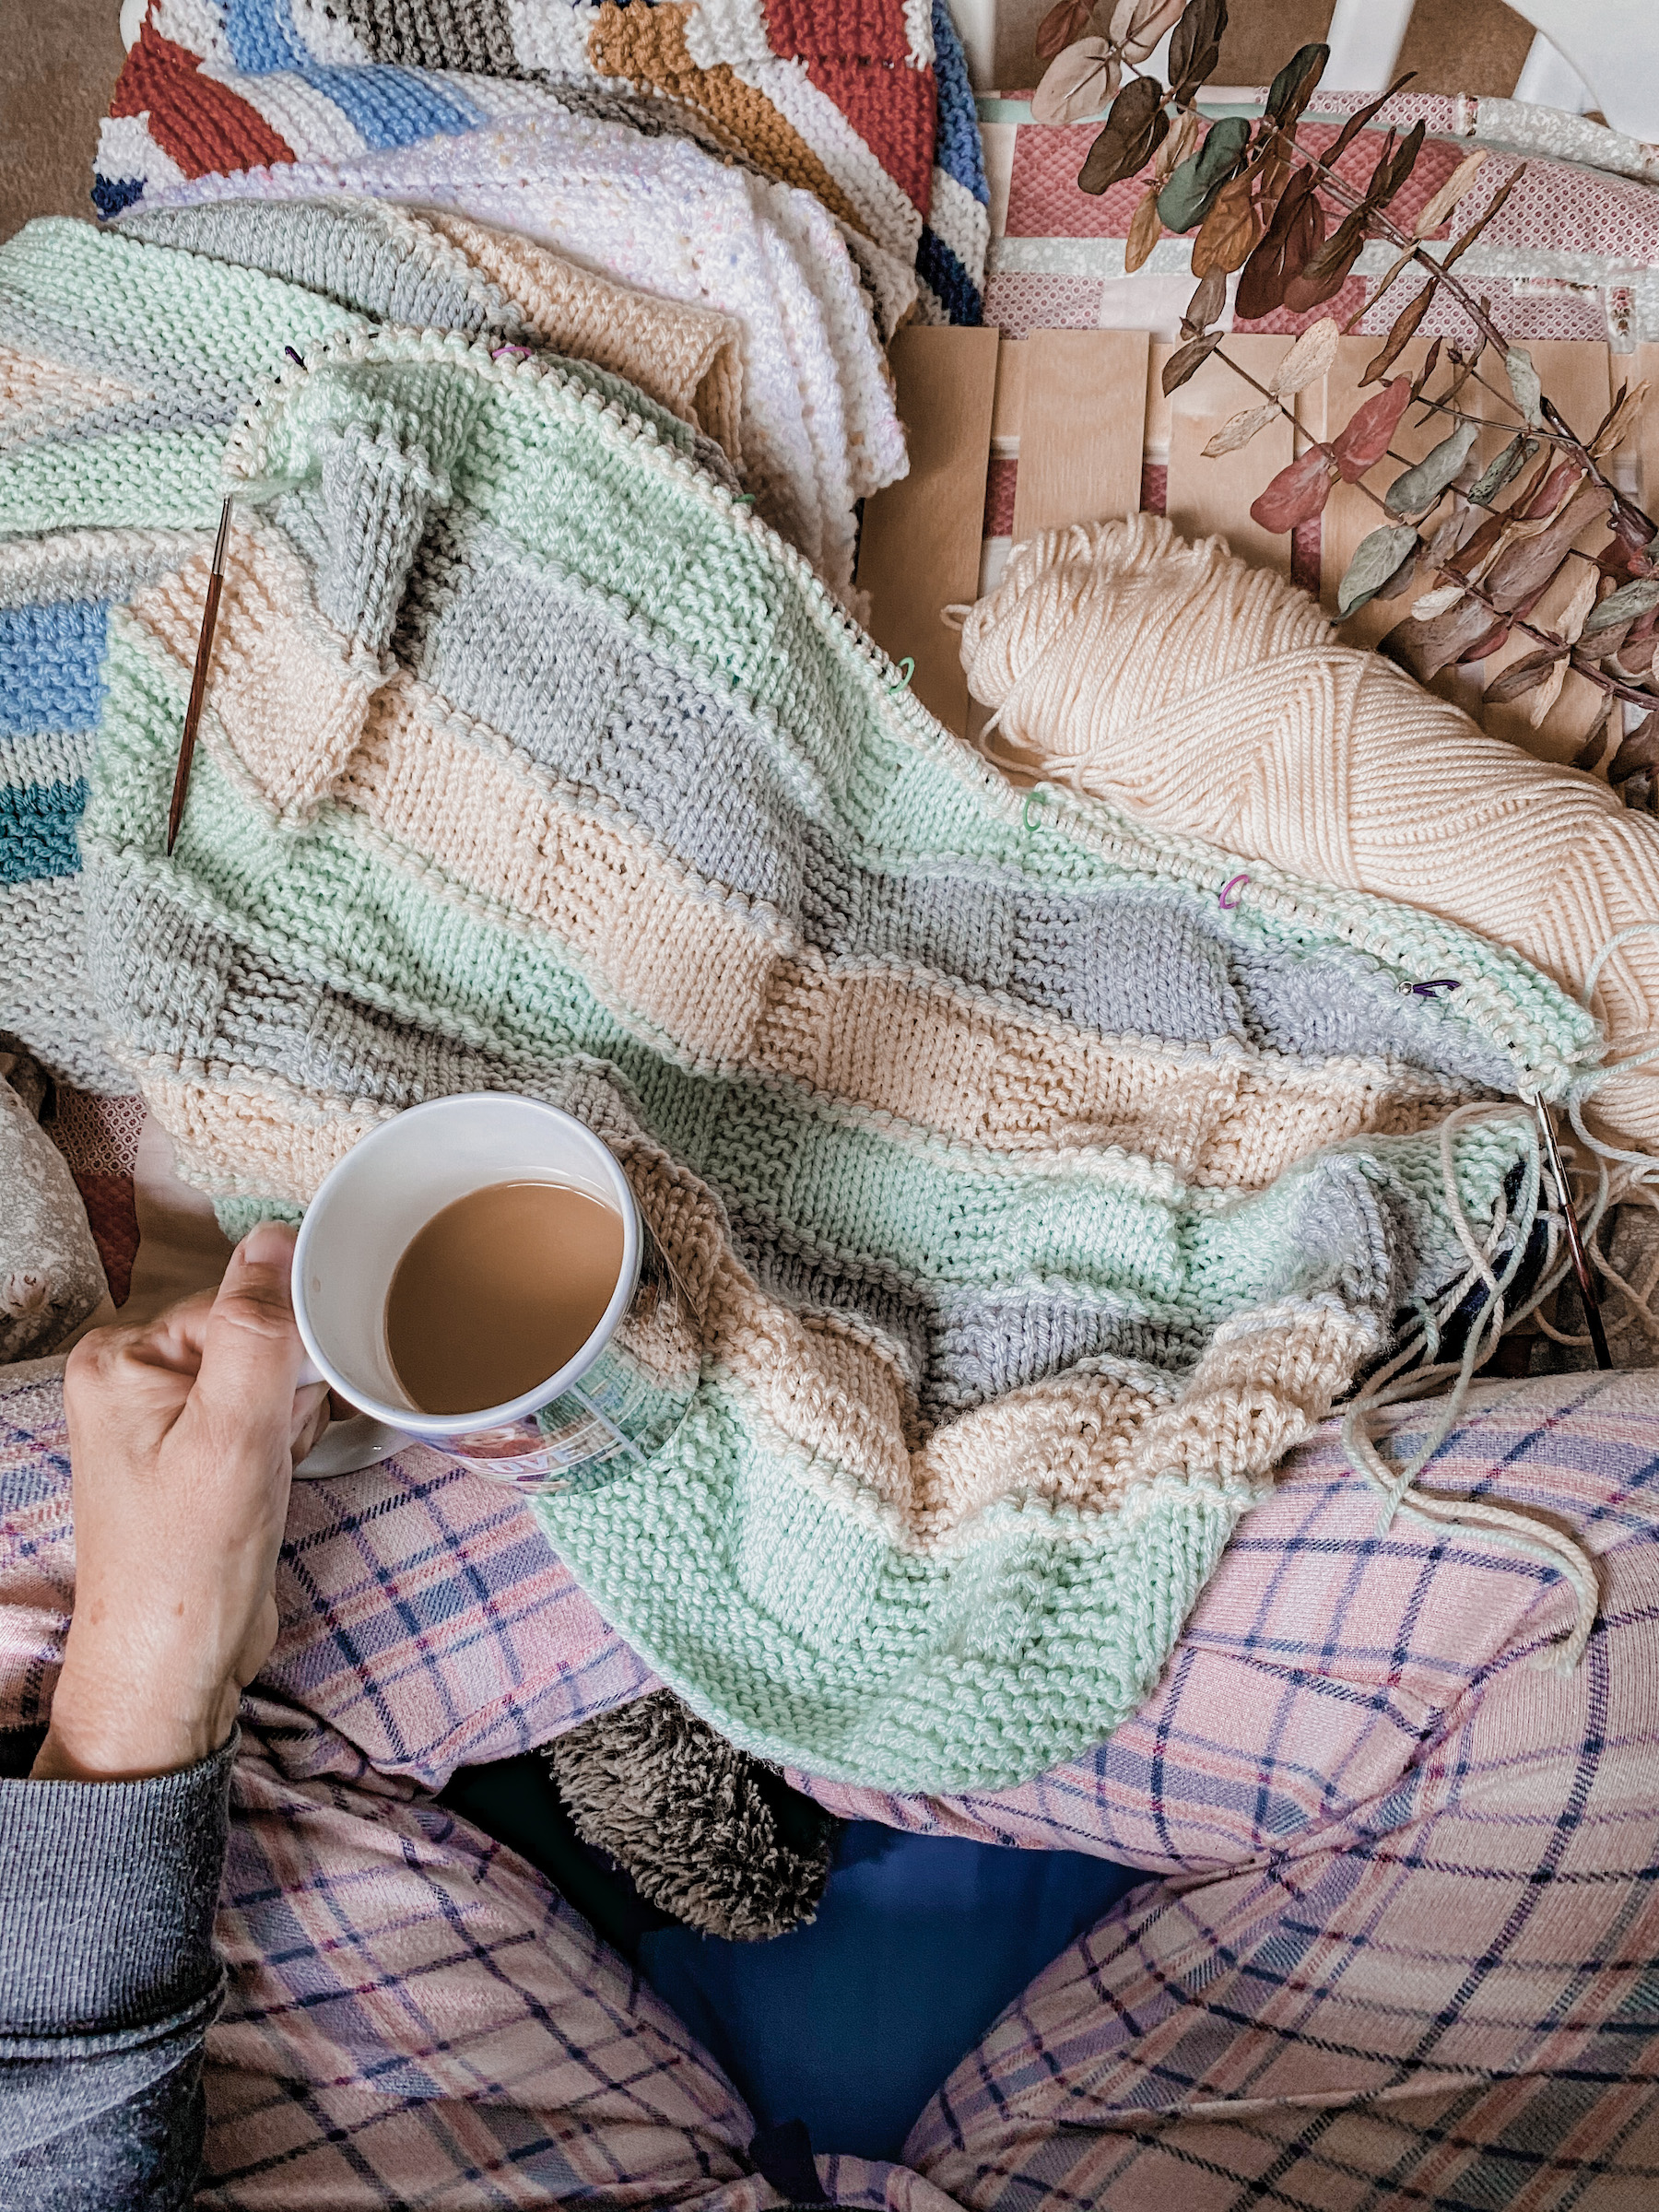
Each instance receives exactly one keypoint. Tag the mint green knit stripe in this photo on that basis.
(810, 1641)
(136, 303)
(129, 480)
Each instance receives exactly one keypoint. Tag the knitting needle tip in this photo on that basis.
(1575, 1242)
(198, 681)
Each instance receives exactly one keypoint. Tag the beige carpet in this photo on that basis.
(59, 59)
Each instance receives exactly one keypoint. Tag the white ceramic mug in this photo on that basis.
(593, 1419)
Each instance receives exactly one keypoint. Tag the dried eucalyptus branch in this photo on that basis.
(1255, 200)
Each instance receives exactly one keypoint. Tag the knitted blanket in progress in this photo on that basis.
(866, 106)
(1174, 679)
(1027, 1203)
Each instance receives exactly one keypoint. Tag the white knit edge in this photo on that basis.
(127, 154)
(958, 220)
(196, 25)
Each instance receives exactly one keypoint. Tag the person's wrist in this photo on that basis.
(110, 1726)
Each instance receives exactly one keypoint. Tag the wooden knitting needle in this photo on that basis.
(198, 682)
(1575, 1243)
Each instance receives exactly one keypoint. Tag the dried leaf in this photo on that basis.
(1588, 756)
(1462, 244)
(1509, 465)
(1523, 675)
(1393, 169)
(1293, 87)
(1620, 421)
(1206, 304)
(1138, 25)
(1308, 359)
(1425, 648)
(1078, 83)
(1187, 197)
(1298, 493)
(1524, 569)
(1196, 46)
(1526, 385)
(1296, 230)
(1238, 430)
(1229, 232)
(1310, 287)
(1134, 129)
(1399, 337)
(1438, 602)
(1361, 116)
(1061, 26)
(1377, 559)
(1625, 604)
(1419, 487)
(1431, 363)
(1182, 141)
(1639, 751)
(1144, 230)
(1434, 212)
(1572, 621)
(1365, 440)
(1189, 360)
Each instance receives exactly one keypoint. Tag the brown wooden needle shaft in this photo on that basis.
(1575, 1242)
(198, 681)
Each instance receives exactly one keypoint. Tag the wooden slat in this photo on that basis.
(919, 549)
(1210, 496)
(1081, 427)
(1008, 412)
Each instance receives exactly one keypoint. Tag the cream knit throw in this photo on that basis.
(1215, 699)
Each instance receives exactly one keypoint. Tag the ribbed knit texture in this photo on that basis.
(866, 105)
(1027, 1203)
(1175, 679)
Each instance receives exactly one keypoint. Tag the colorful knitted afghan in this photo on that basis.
(1028, 1202)
(867, 106)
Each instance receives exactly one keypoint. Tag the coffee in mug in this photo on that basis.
(500, 1289)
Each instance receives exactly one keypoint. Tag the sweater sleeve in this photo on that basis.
(108, 1983)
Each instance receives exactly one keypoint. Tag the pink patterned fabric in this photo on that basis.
(1396, 1949)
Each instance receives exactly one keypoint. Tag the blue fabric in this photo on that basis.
(851, 2024)
(938, 266)
(52, 666)
(958, 149)
(390, 106)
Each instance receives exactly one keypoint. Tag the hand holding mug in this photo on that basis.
(182, 1438)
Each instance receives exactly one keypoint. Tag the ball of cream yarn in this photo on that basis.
(1179, 683)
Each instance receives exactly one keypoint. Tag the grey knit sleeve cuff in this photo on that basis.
(107, 1897)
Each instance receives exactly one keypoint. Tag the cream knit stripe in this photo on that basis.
(1174, 679)
(688, 358)
(724, 984)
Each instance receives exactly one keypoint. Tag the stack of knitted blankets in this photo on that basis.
(1030, 1195)
(866, 106)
